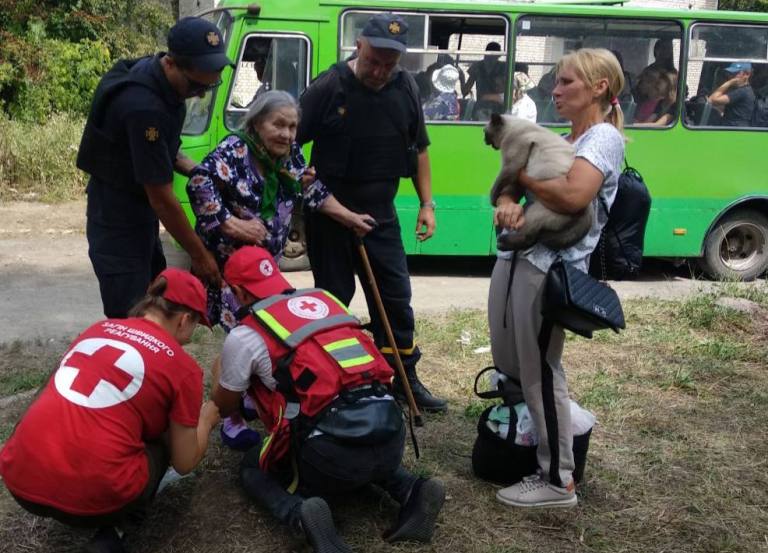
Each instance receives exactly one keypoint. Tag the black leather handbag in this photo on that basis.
(580, 303)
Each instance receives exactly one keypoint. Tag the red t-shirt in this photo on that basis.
(80, 446)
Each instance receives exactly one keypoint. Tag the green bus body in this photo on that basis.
(698, 175)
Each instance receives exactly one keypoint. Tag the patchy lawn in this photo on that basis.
(677, 462)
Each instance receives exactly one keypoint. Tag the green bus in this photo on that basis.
(708, 176)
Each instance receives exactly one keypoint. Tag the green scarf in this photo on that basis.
(275, 174)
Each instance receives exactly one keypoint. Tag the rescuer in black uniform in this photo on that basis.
(366, 121)
(130, 148)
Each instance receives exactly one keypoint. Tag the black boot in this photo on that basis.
(425, 401)
(417, 517)
(317, 523)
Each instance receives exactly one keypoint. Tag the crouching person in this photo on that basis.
(322, 390)
(124, 402)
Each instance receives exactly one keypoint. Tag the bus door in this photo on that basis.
(460, 64)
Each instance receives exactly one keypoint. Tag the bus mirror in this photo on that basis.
(254, 9)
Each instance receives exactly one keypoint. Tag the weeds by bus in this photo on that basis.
(707, 172)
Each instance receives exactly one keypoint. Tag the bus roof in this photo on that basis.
(304, 9)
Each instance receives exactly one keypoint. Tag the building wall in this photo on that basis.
(191, 7)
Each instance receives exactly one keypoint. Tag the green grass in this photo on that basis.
(37, 161)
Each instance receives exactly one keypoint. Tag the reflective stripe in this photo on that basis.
(273, 325)
(404, 351)
(314, 327)
(338, 301)
(265, 445)
(340, 344)
(348, 353)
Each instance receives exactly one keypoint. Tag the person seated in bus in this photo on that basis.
(444, 104)
(490, 75)
(424, 78)
(123, 403)
(652, 88)
(664, 56)
(626, 93)
(522, 104)
(666, 109)
(735, 97)
(323, 391)
(587, 83)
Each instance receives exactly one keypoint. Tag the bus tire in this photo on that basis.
(736, 248)
(288, 264)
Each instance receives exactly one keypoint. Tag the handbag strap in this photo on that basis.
(509, 285)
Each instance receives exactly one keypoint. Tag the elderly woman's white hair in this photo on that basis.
(265, 103)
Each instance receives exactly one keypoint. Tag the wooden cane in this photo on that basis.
(417, 420)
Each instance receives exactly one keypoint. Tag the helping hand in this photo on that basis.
(206, 269)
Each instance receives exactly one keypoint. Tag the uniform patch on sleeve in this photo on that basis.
(152, 134)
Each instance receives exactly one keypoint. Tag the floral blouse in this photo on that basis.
(227, 183)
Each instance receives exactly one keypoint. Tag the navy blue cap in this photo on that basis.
(199, 41)
(386, 30)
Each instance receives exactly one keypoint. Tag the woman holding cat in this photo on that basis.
(588, 82)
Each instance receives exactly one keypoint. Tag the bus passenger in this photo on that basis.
(444, 105)
(322, 390)
(735, 96)
(367, 125)
(490, 74)
(587, 84)
(124, 403)
(244, 193)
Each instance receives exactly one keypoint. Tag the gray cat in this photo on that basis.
(544, 155)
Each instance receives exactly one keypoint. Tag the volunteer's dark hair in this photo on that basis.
(154, 301)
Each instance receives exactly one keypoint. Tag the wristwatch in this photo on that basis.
(429, 205)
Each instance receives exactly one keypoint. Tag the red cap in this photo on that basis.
(185, 289)
(255, 269)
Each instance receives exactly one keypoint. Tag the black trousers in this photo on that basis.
(328, 467)
(158, 457)
(126, 260)
(333, 254)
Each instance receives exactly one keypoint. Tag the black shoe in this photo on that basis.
(416, 520)
(106, 540)
(317, 523)
(424, 399)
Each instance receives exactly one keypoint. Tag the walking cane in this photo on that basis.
(418, 421)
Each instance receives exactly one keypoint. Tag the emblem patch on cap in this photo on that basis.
(152, 134)
(341, 110)
(212, 38)
(266, 267)
(394, 28)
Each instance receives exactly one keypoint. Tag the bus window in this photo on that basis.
(459, 62)
(267, 62)
(648, 52)
(727, 76)
(199, 109)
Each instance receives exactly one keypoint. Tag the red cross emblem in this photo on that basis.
(97, 367)
(307, 306)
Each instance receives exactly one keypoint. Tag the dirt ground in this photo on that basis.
(672, 481)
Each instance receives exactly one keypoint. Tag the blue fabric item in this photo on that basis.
(246, 439)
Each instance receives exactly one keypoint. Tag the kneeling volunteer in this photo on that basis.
(322, 390)
(91, 449)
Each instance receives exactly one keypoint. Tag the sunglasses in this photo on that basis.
(196, 87)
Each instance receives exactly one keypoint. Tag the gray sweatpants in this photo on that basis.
(515, 323)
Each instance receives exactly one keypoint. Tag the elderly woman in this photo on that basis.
(244, 193)
(587, 84)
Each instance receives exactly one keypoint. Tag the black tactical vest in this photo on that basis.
(369, 135)
(100, 153)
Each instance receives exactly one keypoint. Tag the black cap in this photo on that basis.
(200, 41)
(386, 30)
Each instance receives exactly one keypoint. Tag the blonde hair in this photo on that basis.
(592, 65)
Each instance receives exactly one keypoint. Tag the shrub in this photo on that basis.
(37, 161)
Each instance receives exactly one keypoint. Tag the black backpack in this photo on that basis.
(619, 253)
(760, 113)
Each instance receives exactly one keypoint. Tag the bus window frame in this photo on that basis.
(236, 72)
(681, 61)
(224, 22)
(689, 38)
(340, 49)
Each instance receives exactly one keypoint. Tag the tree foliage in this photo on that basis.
(744, 5)
(53, 52)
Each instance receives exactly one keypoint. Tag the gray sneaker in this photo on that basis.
(532, 491)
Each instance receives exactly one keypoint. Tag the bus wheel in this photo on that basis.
(737, 248)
